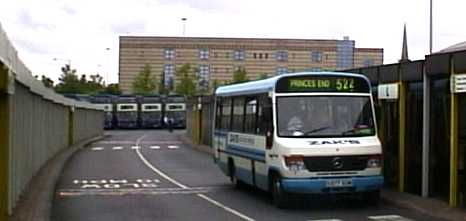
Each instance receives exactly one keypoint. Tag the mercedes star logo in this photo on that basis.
(337, 163)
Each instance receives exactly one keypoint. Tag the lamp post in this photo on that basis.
(431, 27)
(184, 26)
(108, 65)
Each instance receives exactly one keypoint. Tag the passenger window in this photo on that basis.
(238, 114)
(226, 114)
(251, 115)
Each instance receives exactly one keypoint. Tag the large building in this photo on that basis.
(219, 58)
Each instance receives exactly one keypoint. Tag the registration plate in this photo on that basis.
(339, 183)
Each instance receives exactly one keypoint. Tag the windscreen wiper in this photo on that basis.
(317, 130)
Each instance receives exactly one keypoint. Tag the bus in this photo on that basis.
(151, 111)
(106, 102)
(175, 108)
(300, 133)
(126, 112)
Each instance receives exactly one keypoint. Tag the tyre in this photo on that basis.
(371, 198)
(280, 197)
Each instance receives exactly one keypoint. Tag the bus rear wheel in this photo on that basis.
(280, 197)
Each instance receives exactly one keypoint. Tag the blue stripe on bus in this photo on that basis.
(220, 133)
(249, 153)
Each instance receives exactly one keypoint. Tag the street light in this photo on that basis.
(184, 26)
(431, 23)
(108, 66)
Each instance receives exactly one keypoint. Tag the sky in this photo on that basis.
(50, 33)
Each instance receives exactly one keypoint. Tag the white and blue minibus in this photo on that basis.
(300, 133)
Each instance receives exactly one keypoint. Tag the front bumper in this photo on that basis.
(320, 185)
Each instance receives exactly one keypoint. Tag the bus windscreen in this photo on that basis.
(322, 83)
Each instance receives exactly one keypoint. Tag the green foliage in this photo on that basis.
(186, 85)
(47, 81)
(263, 76)
(70, 84)
(145, 83)
(112, 89)
(240, 76)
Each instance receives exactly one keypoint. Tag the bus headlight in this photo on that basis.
(295, 162)
(374, 161)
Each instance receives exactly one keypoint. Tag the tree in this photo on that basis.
(263, 76)
(145, 82)
(216, 84)
(47, 81)
(162, 87)
(112, 89)
(240, 76)
(186, 85)
(68, 82)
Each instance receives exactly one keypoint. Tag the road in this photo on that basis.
(151, 175)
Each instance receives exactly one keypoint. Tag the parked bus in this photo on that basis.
(175, 108)
(126, 112)
(301, 133)
(106, 102)
(151, 111)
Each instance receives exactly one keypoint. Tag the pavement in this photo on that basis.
(156, 175)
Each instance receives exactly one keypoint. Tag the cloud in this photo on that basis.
(25, 19)
(129, 27)
(69, 10)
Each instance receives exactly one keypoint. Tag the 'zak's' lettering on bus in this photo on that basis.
(302, 133)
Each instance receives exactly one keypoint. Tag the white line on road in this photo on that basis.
(97, 148)
(154, 147)
(136, 147)
(144, 142)
(173, 147)
(117, 148)
(389, 218)
(160, 173)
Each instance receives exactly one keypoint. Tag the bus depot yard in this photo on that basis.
(137, 111)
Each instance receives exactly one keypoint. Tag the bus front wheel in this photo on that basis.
(280, 198)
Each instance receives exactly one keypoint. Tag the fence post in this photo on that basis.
(71, 126)
(4, 143)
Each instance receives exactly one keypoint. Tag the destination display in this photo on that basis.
(327, 83)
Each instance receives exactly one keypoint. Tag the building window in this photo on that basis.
(255, 55)
(238, 55)
(282, 70)
(203, 76)
(215, 54)
(316, 56)
(169, 54)
(266, 55)
(204, 54)
(169, 75)
(282, 56)
(368, 62)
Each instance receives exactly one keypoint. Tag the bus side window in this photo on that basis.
(226, 114)
(250, 115)
(238, 114)
(218, 113)
(265, 115)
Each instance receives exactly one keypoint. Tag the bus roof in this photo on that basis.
(266, 85)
